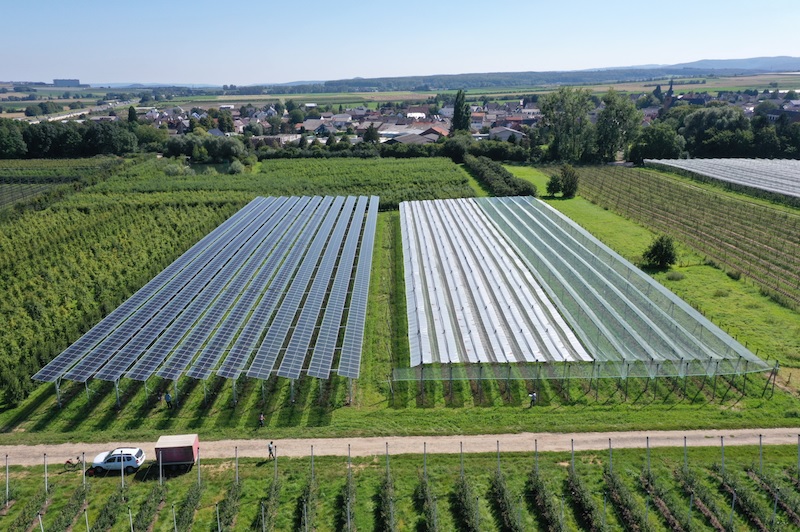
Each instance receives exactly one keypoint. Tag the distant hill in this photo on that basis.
(764, 64)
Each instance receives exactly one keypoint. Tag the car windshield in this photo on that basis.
(139, 453)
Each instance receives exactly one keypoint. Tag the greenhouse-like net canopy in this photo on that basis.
(510, 288)
(780, 176)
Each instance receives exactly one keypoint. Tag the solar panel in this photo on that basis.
(303, 332)
(168, 333)
(56, 368)
(179, 290)
(325, 345)
(270, 348)
(216, 347)
(227, 281)
(350, 359)
(243, 347)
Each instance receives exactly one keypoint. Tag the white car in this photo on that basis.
(128, 458)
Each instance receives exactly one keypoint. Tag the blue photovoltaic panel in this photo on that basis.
(243, 347)
(61, 363)
(216, 347)
(155, 354)
(324, 347)
(196, 274)
(299, 344)
(268, 352)
(350, 359)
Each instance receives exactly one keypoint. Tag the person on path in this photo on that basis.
(271, 450)
(261, 419)
(532, 395)
(168, 399)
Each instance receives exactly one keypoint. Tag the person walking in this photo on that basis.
(168, 399)
(271, 450)
(261, 419)
(532, 395)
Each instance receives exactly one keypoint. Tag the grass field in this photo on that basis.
(374, 406)
(742, 470)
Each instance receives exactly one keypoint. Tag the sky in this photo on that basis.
(246, 42)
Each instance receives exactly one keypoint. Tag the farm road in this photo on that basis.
(584, 441)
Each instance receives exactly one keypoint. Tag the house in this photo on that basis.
(439, 131)
(505, 133)
(411, 138)
(342, 120)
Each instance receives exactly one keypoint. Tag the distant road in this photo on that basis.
(257, 448)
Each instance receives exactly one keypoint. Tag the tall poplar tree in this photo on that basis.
(461, 114)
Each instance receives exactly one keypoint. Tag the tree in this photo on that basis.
(12, 146)
(461, 114)
(617, 125)
(661, 252)
(132, 118)
(718, 132)
(658, 94)
(658, 141)
(225, 121)
(569, 181)
(371, 135)
(554, 185)
(566, 113)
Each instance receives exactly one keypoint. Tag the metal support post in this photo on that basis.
(116, 390)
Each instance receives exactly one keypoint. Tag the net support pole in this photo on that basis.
(175, 387)
(744, 386)
(58, 391)
(116, 390)
(86, 386)
(205, 393)
(234, 391)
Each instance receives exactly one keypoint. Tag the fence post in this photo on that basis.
(648, 454)
(760, 456)
(46, 487)
(610, 457)
(572, 447)
(236, 454)
(722, 448)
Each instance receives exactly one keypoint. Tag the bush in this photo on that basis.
(465, 507)
(236, 167)
(426, 502)
(569, 181)
(554, 185)
(270, 508)
(67, 515)
(675, 276)
(148, 508)
(498, 180)
(661, 252)
(385, 511)
(544, 501)
(587, 511)
(505, 509)
(185, 514)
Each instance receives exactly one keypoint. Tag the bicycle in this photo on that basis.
(69, 465)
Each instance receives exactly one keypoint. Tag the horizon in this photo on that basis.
(191, 43)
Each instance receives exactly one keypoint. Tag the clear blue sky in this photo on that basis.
(268, 41)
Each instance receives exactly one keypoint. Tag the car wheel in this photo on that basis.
(99, 470)
(130, 470)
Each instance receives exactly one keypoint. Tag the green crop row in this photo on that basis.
(491, 502)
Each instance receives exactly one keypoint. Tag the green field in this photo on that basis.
(611, 484)
(66, 266)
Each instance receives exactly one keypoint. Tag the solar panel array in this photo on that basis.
(272, 280)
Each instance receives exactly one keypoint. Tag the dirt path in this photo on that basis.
(524, 442)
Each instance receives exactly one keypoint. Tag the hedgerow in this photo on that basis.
(506, 511)
(496, 179)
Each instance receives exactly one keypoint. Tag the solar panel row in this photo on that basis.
(278, 270)
(288, 230)
(178, 292)
(187, 333)
(324, 347)
(61, 363)
(269, 351)
(161, 335)
(350, 359)
(248, 338)
(299, 343)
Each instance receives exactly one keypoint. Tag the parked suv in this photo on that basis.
(128, 458)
